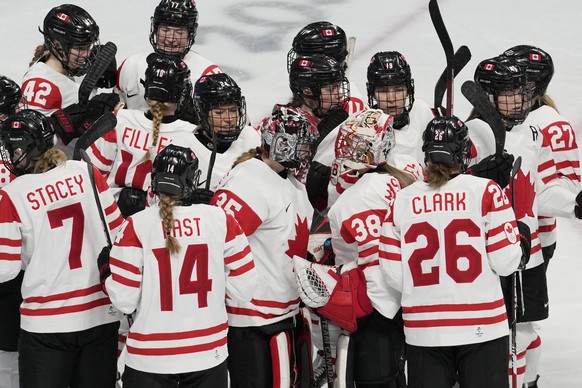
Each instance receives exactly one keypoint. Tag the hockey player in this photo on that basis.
(173, 30)
(11, 101)
(455, 321)
(274, 212)
(329, 39)
(364, 146)
(124, 155)
(222, 117)
(536, 186)
(544, 116)
(51, 226)
(176, 277)
(71, 42)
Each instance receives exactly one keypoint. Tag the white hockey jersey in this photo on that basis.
(51, 228)
(356, 222)
(248, 138)
(120, 154)
(270, 214)
(47, 90)
(562, 139)
(132, 70)
(445, 249)
(537, 190)
(181, 323)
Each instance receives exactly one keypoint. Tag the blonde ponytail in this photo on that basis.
(252, 153)
(436, 175)
(167, 205)
(40, 52)
(49, 160)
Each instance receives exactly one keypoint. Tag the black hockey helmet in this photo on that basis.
(24, 136)
(10, 97)
(319, 38)
(288, 136)
(309, 73)
(538, 64)
(69, 26)
(175, 172)
(390, 68)
(446, 141)
(213, 92)
(500, 76)
(175, 13)
(167, 78)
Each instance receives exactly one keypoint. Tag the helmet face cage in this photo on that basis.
(319, 82)
(366, 138)
(23, 137)
(175, 172)
(220, 106)
(72, 36)
(505, 83)
(538, 65)
(446, 141)
(390, 85)
(174, 26)
(167, 79)
(288, 137)
(11, 98)
(319, 38)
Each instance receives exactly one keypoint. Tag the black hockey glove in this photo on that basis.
(316, 182)
(498, 169)
(201, 196)
(72, 121)
(578, 207)
(525, 241)
(187, 112)
(109, 77)
(131, 201)
(103, 266)
(332, 119)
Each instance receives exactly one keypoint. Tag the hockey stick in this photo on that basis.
(462, 57)
(104, 58)
(515, 306)
(441, 30)
(486, 109)
(100, 127)
(350, 47)
(211, 162)
(86, 158)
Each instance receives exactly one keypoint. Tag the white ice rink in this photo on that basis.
(250, 38)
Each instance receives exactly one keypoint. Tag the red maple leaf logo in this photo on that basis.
(298, 246)
(524, 195)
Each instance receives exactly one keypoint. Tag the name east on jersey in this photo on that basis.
(185, 227)
(438, 202)
(53, 192)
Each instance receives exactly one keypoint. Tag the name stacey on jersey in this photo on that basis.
(53, 192)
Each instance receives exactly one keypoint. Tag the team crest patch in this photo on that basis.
(510, 233)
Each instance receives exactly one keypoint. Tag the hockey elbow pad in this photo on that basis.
(525, 242)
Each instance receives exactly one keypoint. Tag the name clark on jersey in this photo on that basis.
(185, 227)
(447, 202)
(53, 192)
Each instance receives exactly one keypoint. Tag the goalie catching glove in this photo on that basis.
(337, 291)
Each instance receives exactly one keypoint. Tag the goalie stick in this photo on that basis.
(462, 57)
(489, 114)
(514, 304)
(100, 127)
(445, 39)
(104, 58)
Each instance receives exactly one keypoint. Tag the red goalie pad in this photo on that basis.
(348, 300)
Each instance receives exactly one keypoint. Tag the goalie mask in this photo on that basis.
(175, 173)
(288, 137)
(24, 137)
(364, 140)
(72, 36)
